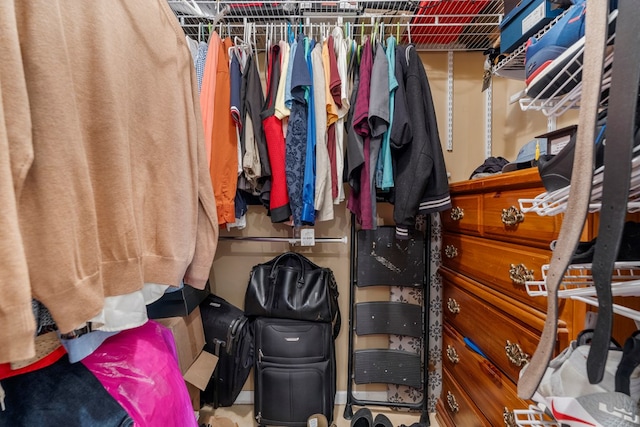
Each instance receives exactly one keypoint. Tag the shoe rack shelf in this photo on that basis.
(559, 96)
(533, 417)
(577, 284)
(512, 66)
(555, 102)
(555, 202)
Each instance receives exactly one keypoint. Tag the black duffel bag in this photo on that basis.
(292, 287)
(229, 335)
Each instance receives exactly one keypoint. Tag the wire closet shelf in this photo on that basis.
(463, 25)
(577, 282)
(564, 91)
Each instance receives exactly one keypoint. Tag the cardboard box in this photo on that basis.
(525, 20)
(178, 303)
(196, 365)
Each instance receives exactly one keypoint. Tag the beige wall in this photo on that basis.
(511, 129)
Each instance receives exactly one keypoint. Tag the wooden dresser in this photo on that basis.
(489, 249)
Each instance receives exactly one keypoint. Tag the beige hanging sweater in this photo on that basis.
(104, 183)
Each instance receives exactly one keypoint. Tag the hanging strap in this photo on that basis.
(629, 362)
(579, 193)
(618, 153)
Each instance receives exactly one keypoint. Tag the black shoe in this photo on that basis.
(362, 418)
(381, 420)
(629, 246)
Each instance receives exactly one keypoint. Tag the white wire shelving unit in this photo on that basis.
(512, 65)
(449, 25)
(555, 202)
(577, 284)
(533, 417)
(564, 91)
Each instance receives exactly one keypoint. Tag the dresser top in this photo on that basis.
(527, 178)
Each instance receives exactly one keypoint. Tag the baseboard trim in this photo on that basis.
(246, 397)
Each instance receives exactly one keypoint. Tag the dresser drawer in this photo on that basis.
(506, 340)
(464, 215)
(499, 265)
(492, 391)
(503, 220)
(455, 408)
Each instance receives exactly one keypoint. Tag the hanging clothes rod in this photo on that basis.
(290, 240)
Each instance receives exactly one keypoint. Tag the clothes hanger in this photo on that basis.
(290, 35)
(193, 6)
(359, 49)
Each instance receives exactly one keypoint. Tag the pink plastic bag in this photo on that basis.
(139, 368)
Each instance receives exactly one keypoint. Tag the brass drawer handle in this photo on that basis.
(512, 216)
(515, 354)
(450, 251)
(452, 354)
(453, 403)
(453, 306)
(520, 274)
(509, 418)
(457, 213)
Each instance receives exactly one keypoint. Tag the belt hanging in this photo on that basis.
(629, 362)
(618, 154)
(579, 193)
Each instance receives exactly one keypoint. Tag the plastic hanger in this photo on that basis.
(193, 6)
(290, 35)
(359, 49)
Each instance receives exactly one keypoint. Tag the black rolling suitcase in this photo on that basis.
(229, 335)
(295, 371)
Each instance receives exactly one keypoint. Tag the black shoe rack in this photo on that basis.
(378, 259)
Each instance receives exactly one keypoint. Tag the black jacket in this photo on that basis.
(421, 184)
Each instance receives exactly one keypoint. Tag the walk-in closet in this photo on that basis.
(319, 213)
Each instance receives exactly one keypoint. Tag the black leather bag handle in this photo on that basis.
(280, 259)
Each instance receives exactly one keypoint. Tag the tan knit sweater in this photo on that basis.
(104, 183)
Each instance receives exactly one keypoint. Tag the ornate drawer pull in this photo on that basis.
(512, 216)
(453, 306)
(450, 251)
(519, 274)
(453, 403)
(515, 354)
(457, 213)
(452, 354)
(509, 418)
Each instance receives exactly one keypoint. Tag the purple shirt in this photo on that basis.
(360, 203)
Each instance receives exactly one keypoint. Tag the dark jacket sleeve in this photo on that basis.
(401, 129)
(416, 164)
